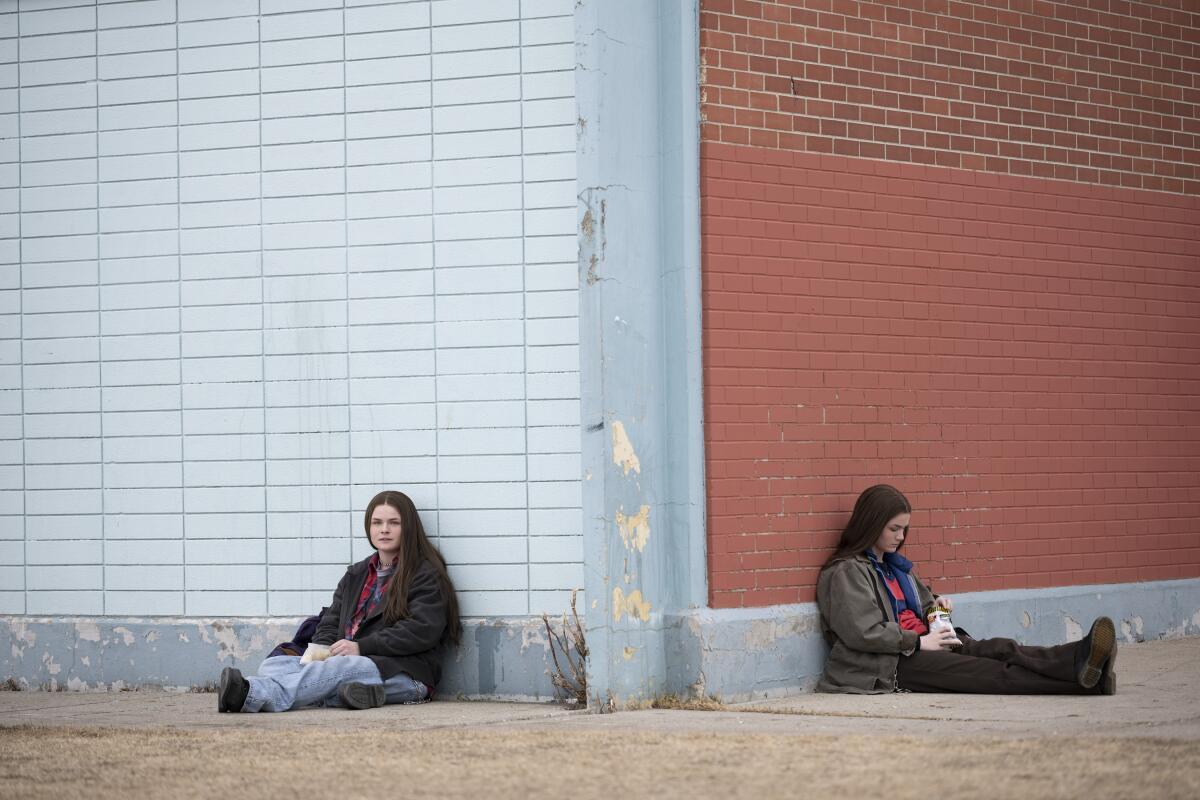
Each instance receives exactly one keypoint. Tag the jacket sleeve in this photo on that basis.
(421, 630)
(855, 616)
(327, 628)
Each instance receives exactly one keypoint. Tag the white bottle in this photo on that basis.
(939, 620)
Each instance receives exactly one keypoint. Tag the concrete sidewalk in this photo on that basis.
(1158, 696)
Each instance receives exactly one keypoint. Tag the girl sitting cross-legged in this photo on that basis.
(390, 619)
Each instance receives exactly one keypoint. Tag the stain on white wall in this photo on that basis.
(262, 258)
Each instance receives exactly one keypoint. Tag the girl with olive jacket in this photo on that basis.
(873, 610)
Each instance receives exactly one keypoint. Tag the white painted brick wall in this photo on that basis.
(262, 258)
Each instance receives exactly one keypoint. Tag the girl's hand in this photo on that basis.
(344, 647)
(945, 603)
(938, 640)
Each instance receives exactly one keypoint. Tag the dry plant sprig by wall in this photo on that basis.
(569, 650)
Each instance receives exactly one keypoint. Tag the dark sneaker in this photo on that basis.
(1094, 651)
(232, 691)
(362, 695)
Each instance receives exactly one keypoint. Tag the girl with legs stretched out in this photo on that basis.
(873, 611)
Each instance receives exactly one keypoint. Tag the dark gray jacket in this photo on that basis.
(412, 645)
(860, 628)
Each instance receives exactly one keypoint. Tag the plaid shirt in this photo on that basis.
(371, 596)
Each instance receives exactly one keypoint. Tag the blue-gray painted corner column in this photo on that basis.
(639, 260)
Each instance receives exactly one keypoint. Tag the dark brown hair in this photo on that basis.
(415, 548)
(874, 507)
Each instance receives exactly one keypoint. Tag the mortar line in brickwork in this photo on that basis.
(349, 319)
(100, 326)
(179, 325)
(524, 312)
(21, 334)
(433, 264)
(262, 321)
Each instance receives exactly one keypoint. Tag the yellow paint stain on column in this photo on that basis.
(628, 652)
(631, 604)
(635, 530)
(623, 453)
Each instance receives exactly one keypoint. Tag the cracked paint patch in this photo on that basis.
(1073, 628)
(126, 635)
(229, 644)
(764, 633)
(631, 605)
(1132, 630)
(534, 635)
(1026, 620)
(628, 653)
(635, 530)
(87, 631)
(22, 637)
(624, 455)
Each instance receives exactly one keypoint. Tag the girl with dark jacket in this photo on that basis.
(390, 617)
(873, 611)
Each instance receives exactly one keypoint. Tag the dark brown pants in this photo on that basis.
(992, 666)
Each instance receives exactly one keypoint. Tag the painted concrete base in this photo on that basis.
(735, 655)
(499, 658)
(746, 654)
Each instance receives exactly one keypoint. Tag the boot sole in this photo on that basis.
(1104, 638)
(362, 696)
(1108, 678)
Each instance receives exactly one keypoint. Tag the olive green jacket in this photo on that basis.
(860, 628)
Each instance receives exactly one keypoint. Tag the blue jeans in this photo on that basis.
(283, 683)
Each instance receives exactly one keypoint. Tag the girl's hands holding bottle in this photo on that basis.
(941, 639)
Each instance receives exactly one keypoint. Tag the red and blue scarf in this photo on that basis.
(897, 566)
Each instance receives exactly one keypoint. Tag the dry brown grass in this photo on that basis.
(63, 763)
(568, 649)
(677, 703)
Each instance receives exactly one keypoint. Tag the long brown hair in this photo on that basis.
(415, 548)
(872, 511)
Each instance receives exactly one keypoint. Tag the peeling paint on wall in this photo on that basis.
(764, 634)
(624, 455)
(635, 530)
(533, 635)
(21, 633)
(632, 605)
(1133, 630)
(108, 654)
(87, 631)
(628, 653)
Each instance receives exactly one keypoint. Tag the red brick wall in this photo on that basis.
(1101, 91)
(1020, 355)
